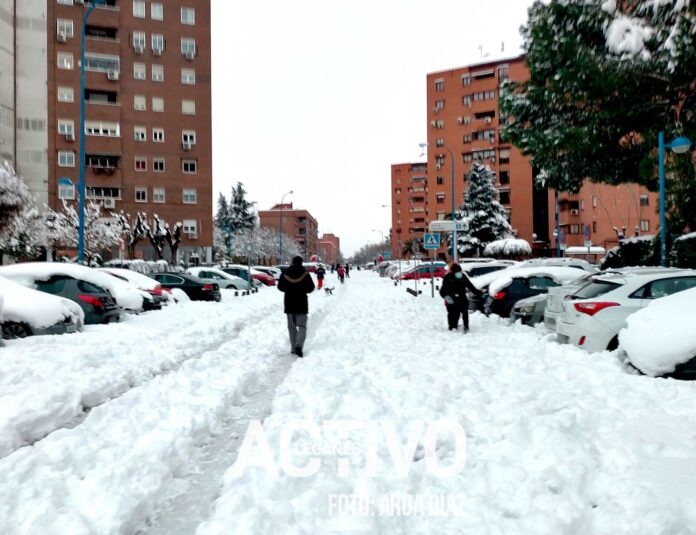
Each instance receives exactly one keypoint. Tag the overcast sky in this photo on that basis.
(321, 97)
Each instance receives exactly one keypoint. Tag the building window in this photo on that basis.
(439, 85)
(504, 177)
(190, 226)
(139, 40)
(66, 158)
(574, 229)
(140, 133)
(158, 195)
(503, 73)
(644, 200)
(188, 136)
(158, 104)
(141, 163)
(504, 197)
(66, 127)
(439, 104)
(139, 103)
(66, 2)
(440, 180)
(64, 27)
(188, 76)
(158, 165)
(66, 191)
(466, 100)
(644, 225)
(66, 94)
(156, 11)
(93, 192)
(102, 128)
(439, 142)
(158, 135)
(467, 157)
(102, 63)
(139, 71)
(65, 61)
(188, 107)
(139, 9)
(504, 155)
(189, 167)
(594, 227)
(190, 196)
(440, 198)
(188, 46)
(188, 15)
(594, 201)
(466, 80)
(158, 42)
(158, 73)
(140, 194)
(466, 138)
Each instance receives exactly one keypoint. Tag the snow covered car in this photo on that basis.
(31, 274)
(530, 310)
(258, 278)
(595, 314)
(273, 272)
(660, 339)
(424, 271)
(222, 279)
(576, 263)
(141, 282)
(26, 312)
(196, 289)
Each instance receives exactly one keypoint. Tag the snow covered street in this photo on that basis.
(136, 427)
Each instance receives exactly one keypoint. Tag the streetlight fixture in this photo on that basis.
(423, 146)
(82, 186)
(680, 145)
(282, 200)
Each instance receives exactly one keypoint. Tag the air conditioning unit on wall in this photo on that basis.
(574, 211)
(109, 203)
(192, 235)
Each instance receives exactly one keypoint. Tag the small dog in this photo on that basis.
(329, 291)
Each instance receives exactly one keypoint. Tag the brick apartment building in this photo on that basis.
(329, 248)
(464, 122)
(296, 223)
(148, 131)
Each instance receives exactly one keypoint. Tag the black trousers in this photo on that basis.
(454, 311)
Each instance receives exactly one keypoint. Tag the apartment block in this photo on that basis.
(294, 222)
(147, 94)
(409, 195)
(329, 248)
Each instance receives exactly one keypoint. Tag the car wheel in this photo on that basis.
(613, 344)
(12, 330)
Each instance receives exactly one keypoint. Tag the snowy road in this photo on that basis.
(136, 427)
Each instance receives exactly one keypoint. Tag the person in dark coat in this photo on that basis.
(347, 270)
(321, 273)
(453, 291)
(296, 283)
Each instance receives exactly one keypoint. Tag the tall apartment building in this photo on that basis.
(148, 129)
(410, 216)
(329, 248)
(297, 223)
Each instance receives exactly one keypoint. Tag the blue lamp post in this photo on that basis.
(680, 145)
(82, 187)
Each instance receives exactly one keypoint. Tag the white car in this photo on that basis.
(577, 263)
(222, 279)
(26, 312)
(593, 316)
(141, 282)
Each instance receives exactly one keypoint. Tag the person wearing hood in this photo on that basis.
(453, 291)
(296, 283)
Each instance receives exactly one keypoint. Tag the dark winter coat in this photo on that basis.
(456, 288)
(320, 272)
(296, 283)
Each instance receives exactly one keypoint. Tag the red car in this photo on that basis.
(424, 272)
(263, 277)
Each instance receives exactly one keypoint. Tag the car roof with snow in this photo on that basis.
(498, 280)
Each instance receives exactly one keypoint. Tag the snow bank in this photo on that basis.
(36, 309)
(125, 294)
(663, 334)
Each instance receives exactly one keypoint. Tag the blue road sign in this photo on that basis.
(431, 241)
(587, 232)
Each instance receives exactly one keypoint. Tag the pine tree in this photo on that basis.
(484, 215)
(241, 212)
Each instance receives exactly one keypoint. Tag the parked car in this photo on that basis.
(243, 271)
(577, 263)
(222, 279)
(593, 316)
(26, 312)
(476, 269)
(521, 283)
(195, 288)
(273, 272)
(143, 283)
(530, 310)
(660, 339)
(424, 271)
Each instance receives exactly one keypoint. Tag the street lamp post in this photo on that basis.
(82, 186)
(282, 200)
(680, 145)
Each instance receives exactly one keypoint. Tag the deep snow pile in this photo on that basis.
(35, 308)
(663, 334)
(559, 441)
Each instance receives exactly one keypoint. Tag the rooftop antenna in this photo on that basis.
(480, 47)
(502, 46)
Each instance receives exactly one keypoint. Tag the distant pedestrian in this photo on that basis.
(333, 268)
(453, 291)
(296, 283)
(347, 270)
(341, 273)
(321, 273)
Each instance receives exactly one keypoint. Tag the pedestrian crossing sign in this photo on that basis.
(431, 240)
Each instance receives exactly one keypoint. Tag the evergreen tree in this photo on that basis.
(241, 212)
(484, 215)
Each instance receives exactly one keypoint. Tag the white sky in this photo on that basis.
(321, 97)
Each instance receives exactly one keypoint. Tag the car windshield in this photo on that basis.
(594, 289)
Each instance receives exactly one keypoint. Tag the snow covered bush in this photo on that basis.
(684, 251)
(513, 248)
(14, 195)
(635, 251)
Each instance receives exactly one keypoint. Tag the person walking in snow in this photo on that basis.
(341, 273)
(296, 283)
(321, 273)
(347, 270)
(453, 291)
